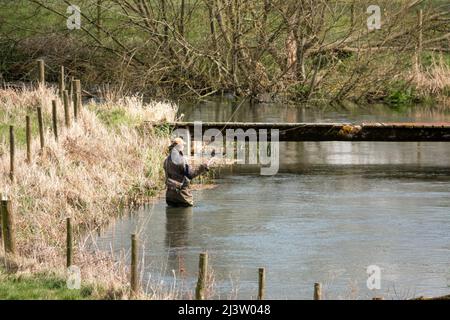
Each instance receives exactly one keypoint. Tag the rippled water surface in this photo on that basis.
(333, 209)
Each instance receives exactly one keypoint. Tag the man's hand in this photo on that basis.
(211, 162)
(204, 166)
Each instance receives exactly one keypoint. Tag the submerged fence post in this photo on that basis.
(69, 245)
(317, 291)
(41, 71)
(66, 108)
(55, 120)
(12, 152)
(28, 137)
(8, 227)
(134, 278)
(41, 127)
(62, 85)
(261, 283)
(202, 273)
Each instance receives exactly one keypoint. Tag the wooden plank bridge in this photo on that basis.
(391, 132)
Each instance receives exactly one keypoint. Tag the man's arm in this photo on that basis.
(192, 173)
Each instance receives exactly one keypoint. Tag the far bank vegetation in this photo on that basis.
(265, 49)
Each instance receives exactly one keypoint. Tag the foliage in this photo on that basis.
(182, 48)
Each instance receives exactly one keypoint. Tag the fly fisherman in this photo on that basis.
(179, 175)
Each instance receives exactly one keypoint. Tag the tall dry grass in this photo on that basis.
(434, 80)
(90, 175)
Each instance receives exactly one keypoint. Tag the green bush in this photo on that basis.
(400, 94)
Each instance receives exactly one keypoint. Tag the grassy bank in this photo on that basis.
(41, 286)
(100, 166)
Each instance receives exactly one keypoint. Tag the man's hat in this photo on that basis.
(179, 141)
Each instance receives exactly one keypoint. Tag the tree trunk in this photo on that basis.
(291, 55)
(182, 10)
(212, 27)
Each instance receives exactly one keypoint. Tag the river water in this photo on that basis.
(333, 210)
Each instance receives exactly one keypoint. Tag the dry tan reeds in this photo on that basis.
(89, 175)
(434, 79)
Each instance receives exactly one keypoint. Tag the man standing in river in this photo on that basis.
(179, 175)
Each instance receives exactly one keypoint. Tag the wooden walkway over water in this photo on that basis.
(393, 132)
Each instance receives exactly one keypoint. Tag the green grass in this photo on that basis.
(400, 94)
(114, 117)
(429, 57)
(39, 287)
(19, 127)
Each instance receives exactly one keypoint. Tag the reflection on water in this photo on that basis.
(178, 227)
(233, 111)
(334, 209)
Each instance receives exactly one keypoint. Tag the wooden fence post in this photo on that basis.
(75, 107)
(62, 85)
(66, 108)
(77, 86)
(317, 291)
(41, 71)
(69, 244)
(134, 277)
(78, 96)
(55, 120)
(41, 127)
(202, 274)
(80, 103)
(8, 227)
(72, 79)
(261, 283)
(28, 137)
(12, 152)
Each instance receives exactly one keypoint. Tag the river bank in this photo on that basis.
(100, 166)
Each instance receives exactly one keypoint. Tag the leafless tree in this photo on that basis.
(256, 48)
